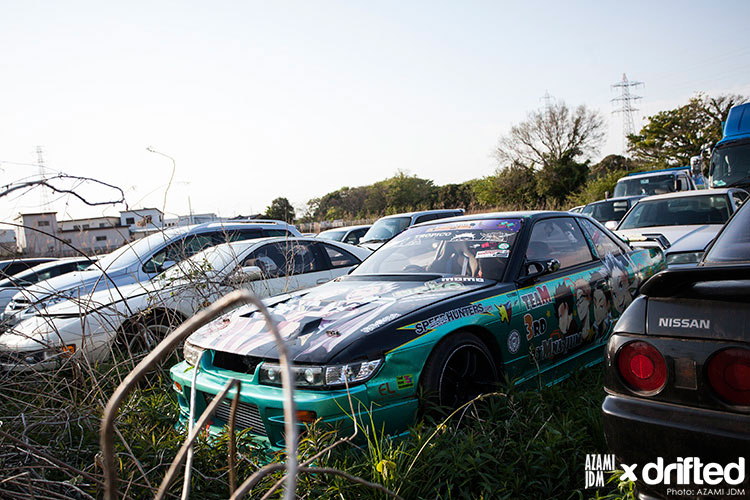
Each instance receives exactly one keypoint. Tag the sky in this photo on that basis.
(256, 100)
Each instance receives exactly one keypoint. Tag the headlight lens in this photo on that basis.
(192, 353)
(684, 258)
(321, 376)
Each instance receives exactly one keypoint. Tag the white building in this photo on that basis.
(38, 236)
(95, 235)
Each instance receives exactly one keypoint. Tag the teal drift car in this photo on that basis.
(449, 307)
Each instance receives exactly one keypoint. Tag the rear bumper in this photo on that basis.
(640, 431)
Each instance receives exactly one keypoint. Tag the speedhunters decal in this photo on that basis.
(429, 324)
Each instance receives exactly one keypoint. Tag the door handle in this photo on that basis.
(322, 280)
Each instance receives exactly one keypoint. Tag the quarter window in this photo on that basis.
(340, 258)
(603, 244)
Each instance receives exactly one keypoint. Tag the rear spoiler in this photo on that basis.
(668, 283)
(657, 238)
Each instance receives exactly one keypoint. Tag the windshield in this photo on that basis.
(683, 211)
(733, 244)
(730, 164)
(467, 248)
(332, 235)
(204, 265)
(385, 229)
(138, 251)
(653, 184)
(607, 210)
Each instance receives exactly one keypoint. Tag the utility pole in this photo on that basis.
(43, 198)
(627, 107)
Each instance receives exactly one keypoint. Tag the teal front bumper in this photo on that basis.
(376, 404)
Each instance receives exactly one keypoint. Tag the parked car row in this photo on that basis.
(445, 307)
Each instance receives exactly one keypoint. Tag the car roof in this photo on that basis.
(618, 198)
(423, 212)
(664, 171)
(686, 194)
(522, 214)
(346, 228)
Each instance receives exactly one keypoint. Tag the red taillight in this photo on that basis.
(642, 367)
(729, 375)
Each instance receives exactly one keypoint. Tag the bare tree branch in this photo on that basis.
(46, 182)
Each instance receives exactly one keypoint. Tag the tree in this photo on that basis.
(513, 187)
(408, 192)
(612, 163)
(550, 134)
(558, 178)
(671, 137)
(280, 209)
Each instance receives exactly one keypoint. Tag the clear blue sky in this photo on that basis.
(256, 100)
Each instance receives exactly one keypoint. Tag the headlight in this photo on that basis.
(192, 353)
(321, 376)
(684, 258)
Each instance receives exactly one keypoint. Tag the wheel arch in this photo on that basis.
(485, 335)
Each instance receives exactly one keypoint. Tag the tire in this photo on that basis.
(142, 334)
(459, 369)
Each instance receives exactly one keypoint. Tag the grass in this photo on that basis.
(517, 445)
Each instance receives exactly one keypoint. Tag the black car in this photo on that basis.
(678, 376)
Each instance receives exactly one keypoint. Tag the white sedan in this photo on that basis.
(134, 317)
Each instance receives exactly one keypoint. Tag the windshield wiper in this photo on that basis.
(374, 240)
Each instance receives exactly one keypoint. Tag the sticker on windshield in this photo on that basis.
(510, 225)
(489, 254)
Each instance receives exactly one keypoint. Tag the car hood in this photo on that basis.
(675, 233)
(319, 323)
(696, 240)
(82, 281)
(102, 298)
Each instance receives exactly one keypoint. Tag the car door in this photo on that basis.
(287, 266)
(553, 326)
(614, 288)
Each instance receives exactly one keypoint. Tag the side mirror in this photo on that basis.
(243, 275)
(611, 225)
(251, 273)
(536, 268)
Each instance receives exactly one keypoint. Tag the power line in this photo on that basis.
(627, 107)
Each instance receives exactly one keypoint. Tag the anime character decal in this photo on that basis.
(584, 305)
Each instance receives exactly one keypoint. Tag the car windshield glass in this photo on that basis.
(135, 252)
(205, 264)
(332, 235)
(730, 164)
(607, 210)
(653, 184)
(733, 244)
(683, 211)
(478, 248)
(385, 229)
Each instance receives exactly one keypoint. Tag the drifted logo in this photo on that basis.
(703, 324)
(690, 471)
(686, 471)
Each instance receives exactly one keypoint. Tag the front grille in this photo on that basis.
(236, 362)
(246, 417)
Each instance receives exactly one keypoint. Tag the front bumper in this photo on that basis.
(640, 431)
(261, 406)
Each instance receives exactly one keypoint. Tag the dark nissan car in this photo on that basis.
(678, 376)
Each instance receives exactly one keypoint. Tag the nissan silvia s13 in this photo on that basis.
(447, 307)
